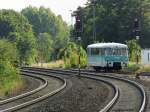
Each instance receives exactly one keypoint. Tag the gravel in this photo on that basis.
(81, 95)
(145, 82)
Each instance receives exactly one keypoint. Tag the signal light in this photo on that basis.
(78, 24)
(136, 23)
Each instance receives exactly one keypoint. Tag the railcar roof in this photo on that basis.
(107, 45)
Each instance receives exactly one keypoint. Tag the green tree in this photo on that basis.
(44, 46)
(44, 21)
(8, 73)
(134, 50)
(16, 28)
(8, 51)
(69, 54)
(114, 21)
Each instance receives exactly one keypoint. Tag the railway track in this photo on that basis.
(36, 95)
(115, 88)
(131, 95)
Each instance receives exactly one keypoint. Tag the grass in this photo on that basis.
(53, 64)
(138, 68)
(133, 67)
(10, 85)
(144, 68)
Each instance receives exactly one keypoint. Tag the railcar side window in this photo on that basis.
(101, 51)
(108, 51)
(123, 51)
(95, 51)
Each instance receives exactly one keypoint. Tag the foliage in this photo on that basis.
(44, 21)
(8, 51)
(70, 55)
(52, 64)
(8, 73)
(114, 21)
(133, 67)
(134, 50)
(9, 77)
(144, 68)
(16, 28)
(44, 47)
(138, 68)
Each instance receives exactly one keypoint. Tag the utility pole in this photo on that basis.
(94, 27)
(94, 33)
(137, 36)
(40, 47)
(79, 64)
(78, 28)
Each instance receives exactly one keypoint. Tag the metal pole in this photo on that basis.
(41, 45)
(79, 40)
(94, 32)
(137, 58)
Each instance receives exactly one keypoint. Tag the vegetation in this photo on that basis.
(70, 55)
(44, 47)
(16, 28)
(114, 21)
(133, 67)
(144, 68)
(9, 75)
(52, 64)
(38, 35)
(44, 21)
(34, 35)
(134, 50)
(137, 68)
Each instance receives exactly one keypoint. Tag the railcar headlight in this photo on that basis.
(125, 64)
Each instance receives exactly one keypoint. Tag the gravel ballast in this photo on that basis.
(81, 95)
(144, 81)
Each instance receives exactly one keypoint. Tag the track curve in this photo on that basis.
(111, 102)
(131, 93)
(34, 96)
(8, 100)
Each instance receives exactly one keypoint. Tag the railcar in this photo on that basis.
(107, 56)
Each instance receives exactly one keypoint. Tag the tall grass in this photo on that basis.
(10, 86)
(144, 68)
(53, 64)
(10, 79)
(138, 68)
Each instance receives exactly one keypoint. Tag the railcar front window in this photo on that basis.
(88, 51)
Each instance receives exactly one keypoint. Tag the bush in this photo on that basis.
(133, 67)
(9, 75)
(144, 68)
(134, 50)
(70, 55)
(8, 51)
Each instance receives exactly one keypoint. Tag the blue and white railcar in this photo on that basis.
(107, 55)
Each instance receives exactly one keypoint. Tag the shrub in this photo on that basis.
(70, 55)
(9, 75)
(133, 67)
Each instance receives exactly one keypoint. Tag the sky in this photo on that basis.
(59, 7)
